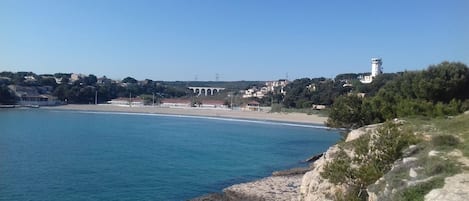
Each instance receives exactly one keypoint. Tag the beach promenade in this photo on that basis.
(222, 113)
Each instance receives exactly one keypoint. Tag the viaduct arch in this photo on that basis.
(206, 91)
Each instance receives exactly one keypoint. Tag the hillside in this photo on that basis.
(411, 159)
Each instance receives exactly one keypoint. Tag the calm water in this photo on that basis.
(65, 155)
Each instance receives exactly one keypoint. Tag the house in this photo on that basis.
(130, 102)
(75, 77)
(39, 100)
(270, 86)
(254, 93)
(252, 106)
(279, 83)
(40, 96)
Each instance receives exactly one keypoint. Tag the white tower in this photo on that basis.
(376, 67)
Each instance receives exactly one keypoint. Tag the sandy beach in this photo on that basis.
(252, 115)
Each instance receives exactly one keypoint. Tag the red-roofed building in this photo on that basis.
(252, 106)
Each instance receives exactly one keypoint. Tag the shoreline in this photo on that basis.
(296, 118)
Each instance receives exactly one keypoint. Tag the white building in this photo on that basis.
(128, 102)
(270, 86)
(255, 93)
(376, 69)
(279, 83)
(74, 77)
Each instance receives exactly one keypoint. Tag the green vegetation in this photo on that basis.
(83, 89)
(6, 95)
(375, 153)
(303, 93)
(373, 156)
(417, 192)
(309, 111)
(440, 90)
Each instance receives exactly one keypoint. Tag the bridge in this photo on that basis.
(207, 91)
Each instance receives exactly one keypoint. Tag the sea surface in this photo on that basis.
(49, 155)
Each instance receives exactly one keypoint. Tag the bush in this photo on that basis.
(445, 140)
(339, 170)
(276, 108)
(374, 156)
(436, 166)
(418, 192)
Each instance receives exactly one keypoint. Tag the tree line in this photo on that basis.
(439, 90)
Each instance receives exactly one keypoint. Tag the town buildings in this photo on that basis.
(270, 86)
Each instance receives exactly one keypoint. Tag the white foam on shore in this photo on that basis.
(211, 118)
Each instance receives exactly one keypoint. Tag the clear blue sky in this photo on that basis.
(238, 39)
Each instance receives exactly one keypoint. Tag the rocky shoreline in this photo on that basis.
(289, 185)
(283, 185)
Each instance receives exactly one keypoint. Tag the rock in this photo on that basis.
(415, 182)
(433, 153)
(210, 197)
(412, 173)
(314, 158)
(409, 159)
(456, 188)
(282, 188)
(356, 133)
(293, 171)
(411, 150)
(313, 186)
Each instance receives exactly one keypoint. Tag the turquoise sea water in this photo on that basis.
(79, 156)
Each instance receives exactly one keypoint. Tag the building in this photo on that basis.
(255, 93)
(206, 91)
(252, 106)
(38, 100)
(213, 104)
(34, 96)
(129, 102)
(376, 69)
(175, 103)
(270, 86)
(75, 77)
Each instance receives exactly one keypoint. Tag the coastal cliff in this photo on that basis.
(315, 187)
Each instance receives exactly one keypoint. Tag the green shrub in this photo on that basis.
(445, 140)
(437, 166)
(339, 170)
(276, 108)
(418, 192)
(374, 156)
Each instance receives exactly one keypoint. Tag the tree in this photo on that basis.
(130, 80)
(6, 96)
(347, 112)
(90, 80)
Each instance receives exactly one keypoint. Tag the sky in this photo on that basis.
(237, 40)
